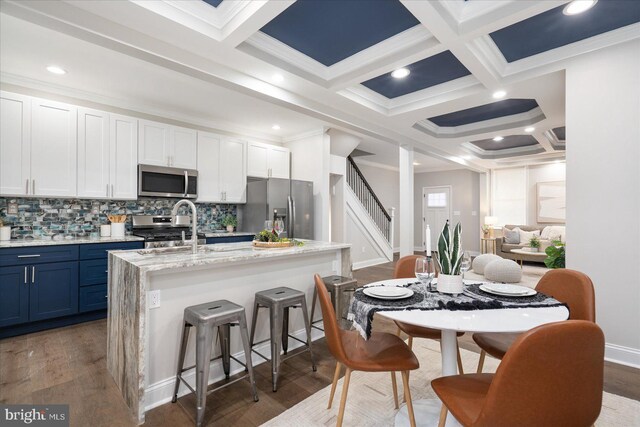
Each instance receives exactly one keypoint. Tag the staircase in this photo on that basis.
(372, 225)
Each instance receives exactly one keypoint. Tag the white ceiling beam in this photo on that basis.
(249, 21)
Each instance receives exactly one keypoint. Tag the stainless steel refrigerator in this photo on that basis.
(290, 200)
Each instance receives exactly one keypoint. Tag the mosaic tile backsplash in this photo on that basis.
(45, 218)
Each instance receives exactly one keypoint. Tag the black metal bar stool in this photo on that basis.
(206, 318)
(336, 286)
(279, 301)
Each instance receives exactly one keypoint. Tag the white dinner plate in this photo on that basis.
(504, 289)
(388, 292)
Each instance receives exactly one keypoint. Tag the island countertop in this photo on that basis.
(147, 260)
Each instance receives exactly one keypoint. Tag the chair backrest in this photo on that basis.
(551, 375)
(573, 288)
(332, 331)
(406, 267)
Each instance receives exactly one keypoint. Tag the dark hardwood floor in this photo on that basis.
(68, 365)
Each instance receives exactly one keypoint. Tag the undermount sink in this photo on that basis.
(187, 250)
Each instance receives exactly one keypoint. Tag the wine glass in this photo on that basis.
(278, 226)
(425, 271)
(465, 263)
(268, 225)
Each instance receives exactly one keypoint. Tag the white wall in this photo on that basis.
(603, 188)
(465, 195)
(385, 182)
(311, 161)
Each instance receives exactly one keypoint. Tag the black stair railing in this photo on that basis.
(368, 198)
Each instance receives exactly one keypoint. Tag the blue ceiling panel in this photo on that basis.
(560, 133)
(510, 141)
(425, 73)
(508, 107)
(214, 3)
(552, 29)
(330, 31)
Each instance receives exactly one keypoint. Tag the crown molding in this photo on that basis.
(307, 134)
(498, 154)
(554, 141)
(130, 108)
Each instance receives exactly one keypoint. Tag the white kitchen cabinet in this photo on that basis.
(93, 154)
(54, 144)
(222, 173)
(165, 145)
(183, 148)
(267, 161)
(15, 144)
(123, 157)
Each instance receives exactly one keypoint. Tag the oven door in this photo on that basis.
(158, 181)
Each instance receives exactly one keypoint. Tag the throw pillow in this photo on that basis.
(525, 236)
(555, 234)
(544, 235)
(511, 236)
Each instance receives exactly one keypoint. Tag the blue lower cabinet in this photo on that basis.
(14, 295)
(93, 271)
(53, 291)
(93, 297)
(229, 239)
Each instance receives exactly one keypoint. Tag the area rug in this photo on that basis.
(370, 399)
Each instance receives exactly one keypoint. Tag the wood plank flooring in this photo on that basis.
(68, 365)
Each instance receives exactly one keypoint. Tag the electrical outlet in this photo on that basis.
(154, 299)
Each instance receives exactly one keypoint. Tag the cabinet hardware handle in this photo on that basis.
(106, 296)
(106, 271)
(29, 256)
(186, 183)
(26, 191)
(33, 274)
(26, 273)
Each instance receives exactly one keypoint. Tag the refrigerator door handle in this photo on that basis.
(292, 213)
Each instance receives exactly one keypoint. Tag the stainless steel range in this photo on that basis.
(159, 232)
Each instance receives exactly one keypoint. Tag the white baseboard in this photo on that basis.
(161, 392)
(622, 355)
(369, 263)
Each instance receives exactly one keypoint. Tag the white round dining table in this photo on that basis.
(450, 322)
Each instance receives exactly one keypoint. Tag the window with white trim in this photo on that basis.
(437, 200)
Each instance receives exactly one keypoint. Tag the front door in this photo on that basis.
(436, 210)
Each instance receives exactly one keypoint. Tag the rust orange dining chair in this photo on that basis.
(405, 268)
(383, 352)
(569, 286)
(551, 376)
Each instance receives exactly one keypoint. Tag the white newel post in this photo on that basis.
(392, 214)
(406, 201)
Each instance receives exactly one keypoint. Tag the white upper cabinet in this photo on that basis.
(233, 170)
(222, 172)
(15, 144)
(93, 154)
(165, 145)
(209, 167)
(266, 161)
(153, 143)
(183, 148)
(54, 146)
(123, 157)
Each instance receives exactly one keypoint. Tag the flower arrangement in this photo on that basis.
(485, 230)
(534, 243)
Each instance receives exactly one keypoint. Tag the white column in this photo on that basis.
(406, 201)
(603, 188)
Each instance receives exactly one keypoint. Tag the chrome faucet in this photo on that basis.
(194, 223)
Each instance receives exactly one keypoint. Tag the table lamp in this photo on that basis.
(490, 221)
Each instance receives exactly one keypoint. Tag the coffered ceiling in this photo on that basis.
(330, 61)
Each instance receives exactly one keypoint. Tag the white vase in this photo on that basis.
(5, 233)
(533, 249)
(448, 284)
(117, 229)
(230, 228)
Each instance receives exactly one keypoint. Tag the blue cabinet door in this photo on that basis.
(228, 239)
(14, 295)
(53, 290)
(93, 297)
(93, 272)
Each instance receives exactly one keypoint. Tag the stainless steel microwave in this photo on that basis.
(160, 181)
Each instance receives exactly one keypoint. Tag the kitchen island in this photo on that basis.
(143, 342)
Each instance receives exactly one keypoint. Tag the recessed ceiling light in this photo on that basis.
(275, 127)
(499, 94)
(498, 138)
(529, 129)
(578, 6)
(278, 78)
(56, 70)
(400, 73)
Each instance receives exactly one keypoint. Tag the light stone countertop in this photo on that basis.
(22, 243)
(172, 258)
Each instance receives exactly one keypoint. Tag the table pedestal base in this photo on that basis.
(427, 413)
